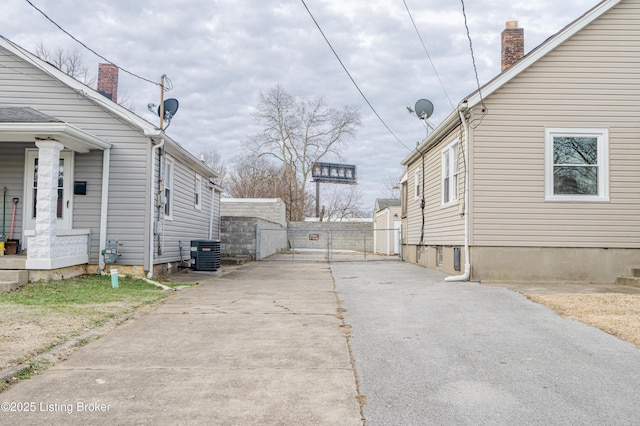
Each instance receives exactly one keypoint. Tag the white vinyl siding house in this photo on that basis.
(110, 151)
(553, 163)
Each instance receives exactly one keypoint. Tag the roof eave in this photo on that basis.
(70, 136)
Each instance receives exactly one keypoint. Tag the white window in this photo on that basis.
(450, 174)
(577, 165)
(168, 189)
(417, 182)
(197, 192)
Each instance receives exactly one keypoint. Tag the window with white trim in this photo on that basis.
(577, 165)
(168, 189)
(450, 174)
(417, 182)
(197, 192)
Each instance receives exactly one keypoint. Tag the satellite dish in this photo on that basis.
(170, 108)
(424, 109)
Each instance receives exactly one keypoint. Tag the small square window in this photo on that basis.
(576, 165)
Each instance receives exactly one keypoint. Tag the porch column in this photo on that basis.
(41, 246)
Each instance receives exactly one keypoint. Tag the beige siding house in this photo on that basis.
(387, 226)
(84, 170)
(551, 149)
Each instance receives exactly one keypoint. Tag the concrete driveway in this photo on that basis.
(263, 345)
(434, 353)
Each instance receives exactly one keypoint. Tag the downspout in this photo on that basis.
(104, 206)
(213, 202)
(152, 192)
(388, 231)
(462, 109)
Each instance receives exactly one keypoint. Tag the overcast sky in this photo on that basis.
(221, 54)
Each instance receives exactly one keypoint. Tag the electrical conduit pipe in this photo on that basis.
(462, 109)
(152, 193)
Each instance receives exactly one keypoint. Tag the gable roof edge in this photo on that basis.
(148, 129)
(541, 50)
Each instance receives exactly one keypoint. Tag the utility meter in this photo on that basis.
(110, 252)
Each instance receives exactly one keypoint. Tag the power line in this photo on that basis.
(88, 48)
(475, 68)
(352, 79)
(428, 55)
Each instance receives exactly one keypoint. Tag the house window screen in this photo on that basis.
(198, 192)
(168, 189)
(576, 165)
(450, 174)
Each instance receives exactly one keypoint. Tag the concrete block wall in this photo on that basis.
(238, 237)
(342, 236)
(269, 209)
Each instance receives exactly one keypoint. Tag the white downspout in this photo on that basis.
(213, 202)
(104, 207)
(467, 261)
(388, 231)
(152, 188)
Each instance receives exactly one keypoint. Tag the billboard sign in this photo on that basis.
(334, 173)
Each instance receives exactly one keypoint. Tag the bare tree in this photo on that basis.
(342, 202)
(390, 187)
(297, 133)
(68, 61)
(255, 177)
(214, 160)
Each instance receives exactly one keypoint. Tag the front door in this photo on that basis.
(65, 201)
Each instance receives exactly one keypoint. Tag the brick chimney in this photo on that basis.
(512, 44)
(108, 81)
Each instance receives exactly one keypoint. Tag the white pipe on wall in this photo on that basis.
(467, 261)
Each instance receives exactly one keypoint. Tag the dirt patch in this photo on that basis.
(26, 331)
(616, 314)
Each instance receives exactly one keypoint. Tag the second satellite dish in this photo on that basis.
(424, 109)
(170, 108)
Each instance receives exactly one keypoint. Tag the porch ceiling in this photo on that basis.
(29, 125)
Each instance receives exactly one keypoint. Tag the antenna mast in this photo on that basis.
(162, 101)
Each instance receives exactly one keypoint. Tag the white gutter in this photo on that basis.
(104, 206)
(467, 261)
(152, 193)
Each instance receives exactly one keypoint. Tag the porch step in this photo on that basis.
(12, 279)
(13, 262)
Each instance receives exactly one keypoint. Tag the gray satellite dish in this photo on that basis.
(424, 109)
(170, 108)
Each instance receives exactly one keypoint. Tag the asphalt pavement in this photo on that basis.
(430, 352)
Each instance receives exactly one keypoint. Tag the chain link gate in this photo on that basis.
(314, 244)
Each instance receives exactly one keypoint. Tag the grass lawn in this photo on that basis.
(40, 316)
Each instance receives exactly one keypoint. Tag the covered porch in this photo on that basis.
(36, 171)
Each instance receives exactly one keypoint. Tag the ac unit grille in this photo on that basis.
(205, 255)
